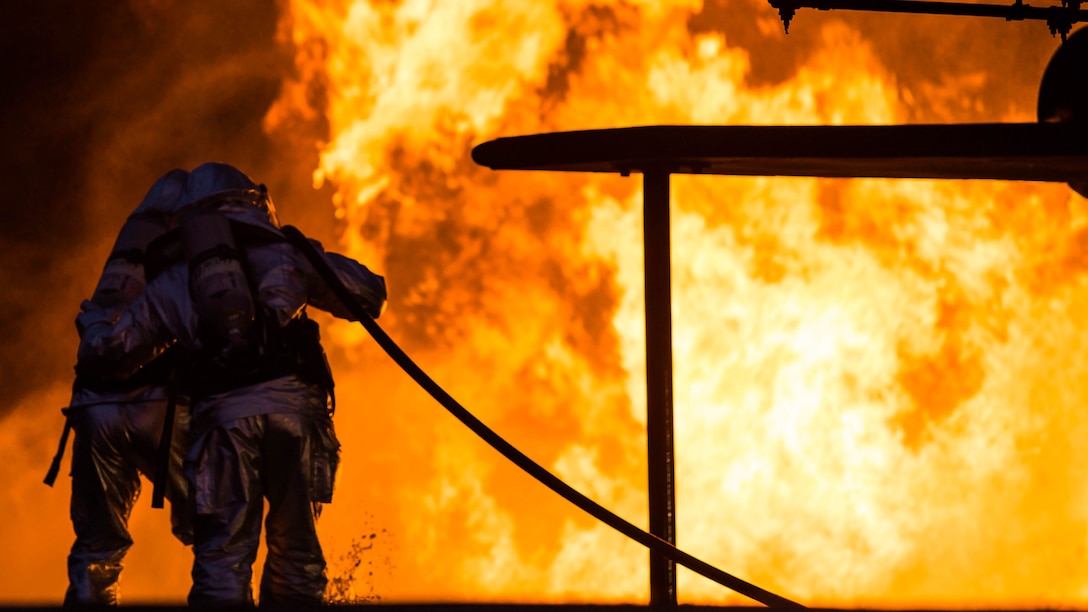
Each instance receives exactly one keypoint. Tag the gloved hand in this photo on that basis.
(92, 314)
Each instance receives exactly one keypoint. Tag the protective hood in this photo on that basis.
(125, 274)
(151, 218)
(227, 189)
(165, 195)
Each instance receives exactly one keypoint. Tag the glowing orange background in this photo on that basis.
(878, 383)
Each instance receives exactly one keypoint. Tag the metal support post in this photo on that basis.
(659, 423)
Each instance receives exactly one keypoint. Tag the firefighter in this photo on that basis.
(259, 384)
(118, 424)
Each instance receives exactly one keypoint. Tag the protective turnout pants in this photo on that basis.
(288, 459)
(114, 444)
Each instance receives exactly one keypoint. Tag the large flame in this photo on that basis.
(878, 383)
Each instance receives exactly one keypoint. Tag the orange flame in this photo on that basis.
(877, 383)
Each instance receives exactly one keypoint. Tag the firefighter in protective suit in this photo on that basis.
(260, 386)
(118, 424)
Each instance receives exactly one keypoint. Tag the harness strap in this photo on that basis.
(219, 251)
(54, 468)
(292, 349)
(162, 461)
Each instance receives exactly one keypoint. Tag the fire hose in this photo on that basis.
(497, 442)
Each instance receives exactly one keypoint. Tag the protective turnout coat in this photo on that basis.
(270, 437)
(118, 425)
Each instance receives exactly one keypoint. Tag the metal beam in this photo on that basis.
(1055, 152)
(1060, 19)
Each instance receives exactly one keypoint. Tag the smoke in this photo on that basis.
(102, 100)
(109, 98)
